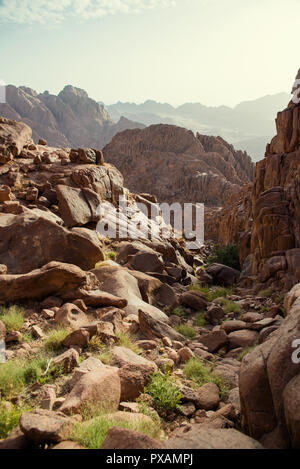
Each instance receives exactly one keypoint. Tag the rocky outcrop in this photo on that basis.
(70, 119)
(264, 220)
(177, 166)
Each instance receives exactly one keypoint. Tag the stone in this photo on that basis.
(214, 315)
(185, 354)
(222, 274)
(214, 340)
(67, 361)
(193, 299)
(69, 315)
(89, 364)
(37, 332)
(133, 378)
(125, 356)
(43, 241)
(152, 328)
(208, 396)
(101, 388)
(79, 338)
(242, 338)
(43, 426)
(123, 438)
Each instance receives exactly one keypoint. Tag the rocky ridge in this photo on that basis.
(177, 166)
(70, 119)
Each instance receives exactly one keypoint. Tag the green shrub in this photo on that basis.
(164, 391)
(15, 375)
(197, 371)
(179, 311)
(200, 319)
(112, 255)
(187, 331)
(9, 418)
(91, 434)
(12, 317)
(229, 306)
(226, 255)
(265, 293)
(128, 341)
(54, 339)
(279, 299)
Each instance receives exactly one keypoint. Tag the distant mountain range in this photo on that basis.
(70, 119)
(248, 126)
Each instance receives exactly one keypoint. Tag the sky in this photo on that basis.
(217, 52)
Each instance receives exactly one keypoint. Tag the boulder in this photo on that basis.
(125, 356)
(13, 137)
(44, 240)
(71, 316)
(214, 340)
(101, 388)
(77, 207)
(214, 315)
(152, 328)
(134, 378)
(44, 426)
(123, 438)
(242, 338)
(222, 274)
(193, 299)
(208, 396)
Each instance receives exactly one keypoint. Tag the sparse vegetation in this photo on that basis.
(179, 311)
(279, 299)
(15, 375)
(265, 293)
(164, 391)
(128, 341)
(187, 331)
(213, 293)
(12, 317)
(110, 255)
(55, 337)
(196, 370)
(9, 418)
(91, 434)
(200, 319)
(226, 255)
(229, 306)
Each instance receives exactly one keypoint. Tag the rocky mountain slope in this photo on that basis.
(116, 344)
(69, 119)
(177, 166)
(248, 126)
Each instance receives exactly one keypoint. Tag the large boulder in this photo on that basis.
(54, 278)
(44, 426)
(152, 328)
(13, 137)
(222, 274)
(100, 388)
(77, 206)
(44, 240)
(121, 282)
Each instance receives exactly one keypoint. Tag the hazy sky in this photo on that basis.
(210, 51)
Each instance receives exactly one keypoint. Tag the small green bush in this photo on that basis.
(54, 339)
(197, 371)
(265, 293)
(9, 418)
(179, 311)
(15, 375)
(128, 341)
(229, 306)
(164, 391)
(112, 255)
(226, 255)
(12, 317)
(187, 331)
(200, 319)
(91, 434)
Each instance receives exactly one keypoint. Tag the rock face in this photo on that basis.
(173, 164)
(269, 383)
(70, 119)
(264, 220)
